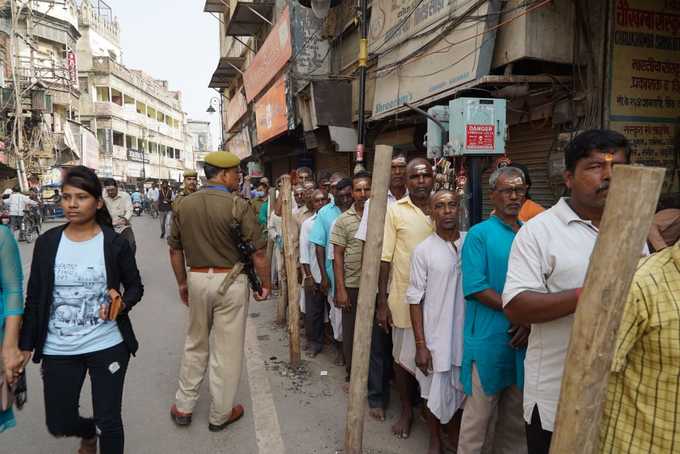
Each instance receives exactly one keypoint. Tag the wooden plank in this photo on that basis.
(631, 203)
(291, 270)
(368, 288)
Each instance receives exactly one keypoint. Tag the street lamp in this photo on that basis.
(215, 102)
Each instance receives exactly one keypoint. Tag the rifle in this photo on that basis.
(246, 250)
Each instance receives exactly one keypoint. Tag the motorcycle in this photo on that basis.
(137, 209)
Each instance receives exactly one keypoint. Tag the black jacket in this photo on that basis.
(121, 268)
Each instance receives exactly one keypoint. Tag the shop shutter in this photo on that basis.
(529, 146)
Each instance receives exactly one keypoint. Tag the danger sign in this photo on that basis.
(480, 137)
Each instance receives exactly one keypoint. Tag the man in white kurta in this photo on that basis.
(437, 308)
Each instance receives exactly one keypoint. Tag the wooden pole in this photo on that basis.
(631, 203)
(368, 287)
(291, 270)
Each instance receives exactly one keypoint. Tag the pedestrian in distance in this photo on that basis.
(119, 205)
(12, 360)
(494, 348)
(407, 224)
(76, 322)
(437, 310)
(547, 267)
(165, 199)
(216, 293)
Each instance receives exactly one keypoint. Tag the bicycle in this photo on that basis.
(29, 229)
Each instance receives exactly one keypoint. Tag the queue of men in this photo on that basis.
(475, 325)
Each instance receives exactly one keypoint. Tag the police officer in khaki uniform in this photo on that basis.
(201, 240)
(190, 186)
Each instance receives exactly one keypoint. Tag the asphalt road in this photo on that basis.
(287, 411)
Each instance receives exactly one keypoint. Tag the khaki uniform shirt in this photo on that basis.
(201, 223)
(343, 234)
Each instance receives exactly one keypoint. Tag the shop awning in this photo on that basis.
(248, 18)
(227, 70)
(215, 6)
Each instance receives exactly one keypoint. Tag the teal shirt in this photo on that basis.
(321, 236)
(262, 215)
(11, 296)
(486, 341)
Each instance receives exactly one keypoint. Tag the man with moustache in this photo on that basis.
(407, 224)
(311, 280)
(548, 264)
(494, 349)
(347, 258)
(437, 309)
(190, 186)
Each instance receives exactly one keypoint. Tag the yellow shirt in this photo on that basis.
(406, 226)
(641, 411)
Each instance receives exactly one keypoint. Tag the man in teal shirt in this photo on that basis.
(493, 349)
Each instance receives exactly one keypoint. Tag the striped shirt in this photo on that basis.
(642, 412)
(343, 234)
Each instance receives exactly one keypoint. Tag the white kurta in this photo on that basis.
(436, 283)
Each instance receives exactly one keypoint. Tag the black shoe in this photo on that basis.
(162, 235)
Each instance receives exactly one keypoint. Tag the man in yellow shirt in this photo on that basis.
(641, 411)
(407, 223)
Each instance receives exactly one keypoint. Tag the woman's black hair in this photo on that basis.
(84, 178)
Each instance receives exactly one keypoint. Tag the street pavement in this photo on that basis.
(287, 411)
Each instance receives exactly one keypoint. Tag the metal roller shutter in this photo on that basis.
(529, 146)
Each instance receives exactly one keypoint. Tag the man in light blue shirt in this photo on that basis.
(493, 352)
(320, 236)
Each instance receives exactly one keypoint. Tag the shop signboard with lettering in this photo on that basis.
(424, 49)
(270, 59)
(271, 112)
(137, 156)
(644, 79)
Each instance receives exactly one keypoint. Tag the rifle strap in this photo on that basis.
(231, 276)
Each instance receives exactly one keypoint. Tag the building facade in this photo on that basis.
(200, 137)
(139, 121)
(41, 64)
(291, 88)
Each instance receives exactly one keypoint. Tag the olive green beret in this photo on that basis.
(222, 159)
(190, 173)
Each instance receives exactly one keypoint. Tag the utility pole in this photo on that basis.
(18, 110)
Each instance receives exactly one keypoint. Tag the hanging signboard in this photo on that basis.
(271, 112)
(240, 144)
(270, 59)
(236, 109)
(427, 47)
(644, 88)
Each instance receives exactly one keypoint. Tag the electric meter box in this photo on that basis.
(477, 126)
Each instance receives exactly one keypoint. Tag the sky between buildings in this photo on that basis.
(173, 40)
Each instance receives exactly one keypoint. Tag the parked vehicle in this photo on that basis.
(4, 217)
(30, 225)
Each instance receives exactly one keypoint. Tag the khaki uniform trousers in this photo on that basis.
(492, 424)
(214, 341)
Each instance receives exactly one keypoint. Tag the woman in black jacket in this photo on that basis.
(73, 320)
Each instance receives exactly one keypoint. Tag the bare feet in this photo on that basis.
(377, 413)
(402, 428)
